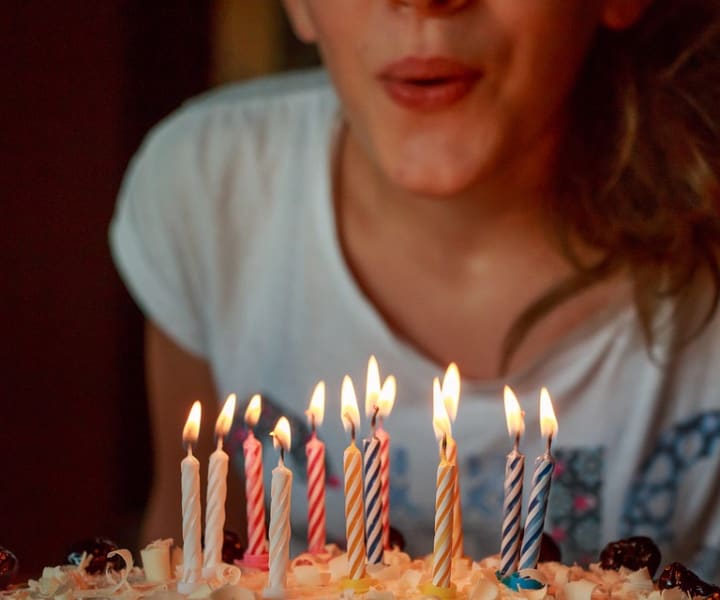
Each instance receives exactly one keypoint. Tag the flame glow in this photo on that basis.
(348, 405)
(548, 422)
(192, 425)
(386, 401)
(441, 420)
(316, 409)
(513, 413)
(252, 412)
(372, 387)
(281, 434)
(225, 418)
(451, 390)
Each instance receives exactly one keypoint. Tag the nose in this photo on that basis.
(432, 6)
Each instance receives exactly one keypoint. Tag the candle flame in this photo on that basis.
(281, 434)
(548, 422)
(225, 418)
(252, 412)
(316, 409)
(192, 425)
(372, 386)
(441, 420)
(451, 390)
(349, 407)
(513, 413)
(386, 401)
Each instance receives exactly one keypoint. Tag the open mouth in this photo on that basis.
(428, 84)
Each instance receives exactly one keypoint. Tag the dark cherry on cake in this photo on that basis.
(8, 567)
(549, 550)
(632, 553)
(676, 575)
(232, 548)
(98, 548)
(397, 539)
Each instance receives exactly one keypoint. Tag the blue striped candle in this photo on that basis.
(514, 471)
(373, 502)
(542, 477)
(535, 520)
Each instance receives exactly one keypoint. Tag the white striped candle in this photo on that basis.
(280, 494)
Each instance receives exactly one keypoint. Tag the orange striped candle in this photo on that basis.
(352, 467)
(441, 584)
(451, 399)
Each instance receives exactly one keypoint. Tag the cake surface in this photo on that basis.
(318, 577)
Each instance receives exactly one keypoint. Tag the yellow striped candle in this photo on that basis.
(451, 400)
(441, 584)
(352, 468)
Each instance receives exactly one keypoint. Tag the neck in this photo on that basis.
(469, 222)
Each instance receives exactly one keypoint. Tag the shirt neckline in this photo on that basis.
(375, 326)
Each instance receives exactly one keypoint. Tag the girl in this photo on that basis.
(527, 188)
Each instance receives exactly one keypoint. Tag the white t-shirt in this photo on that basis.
(225, 234)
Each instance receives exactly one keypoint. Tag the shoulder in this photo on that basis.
(249, 116)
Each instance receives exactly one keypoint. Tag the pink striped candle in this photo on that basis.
(254, 488)
(385, 405)
(315, 452)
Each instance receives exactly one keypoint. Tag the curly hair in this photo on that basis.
(638, 172)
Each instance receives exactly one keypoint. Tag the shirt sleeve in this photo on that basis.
(156, 234)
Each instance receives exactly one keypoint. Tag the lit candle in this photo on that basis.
(280, 493)
(441, 583)
(254, 489)
(514, 469)
(372, 498)
(385, 405)
(542, 477)
(451, 399)
(217, 488)
(315, 452)
(190, 483)
(352, 468)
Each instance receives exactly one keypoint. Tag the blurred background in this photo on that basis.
(83, 82)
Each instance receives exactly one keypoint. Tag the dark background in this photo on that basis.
(83, 81)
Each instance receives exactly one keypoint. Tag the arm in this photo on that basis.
(175, 379)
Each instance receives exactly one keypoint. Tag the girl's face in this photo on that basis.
(443, 95)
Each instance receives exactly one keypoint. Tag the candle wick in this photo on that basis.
(373, 420)
(220, 442)
(352, 431)
(189, 446)
(312, 423)
(282, 455)
(516, 446)
(549, 443)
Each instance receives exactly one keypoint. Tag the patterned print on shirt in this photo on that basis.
(481, 485)
(574, 508)
(653, 496)
(400, 501)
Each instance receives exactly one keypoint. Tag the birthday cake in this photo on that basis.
(625, 571)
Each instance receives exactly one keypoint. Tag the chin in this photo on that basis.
(431, 179)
